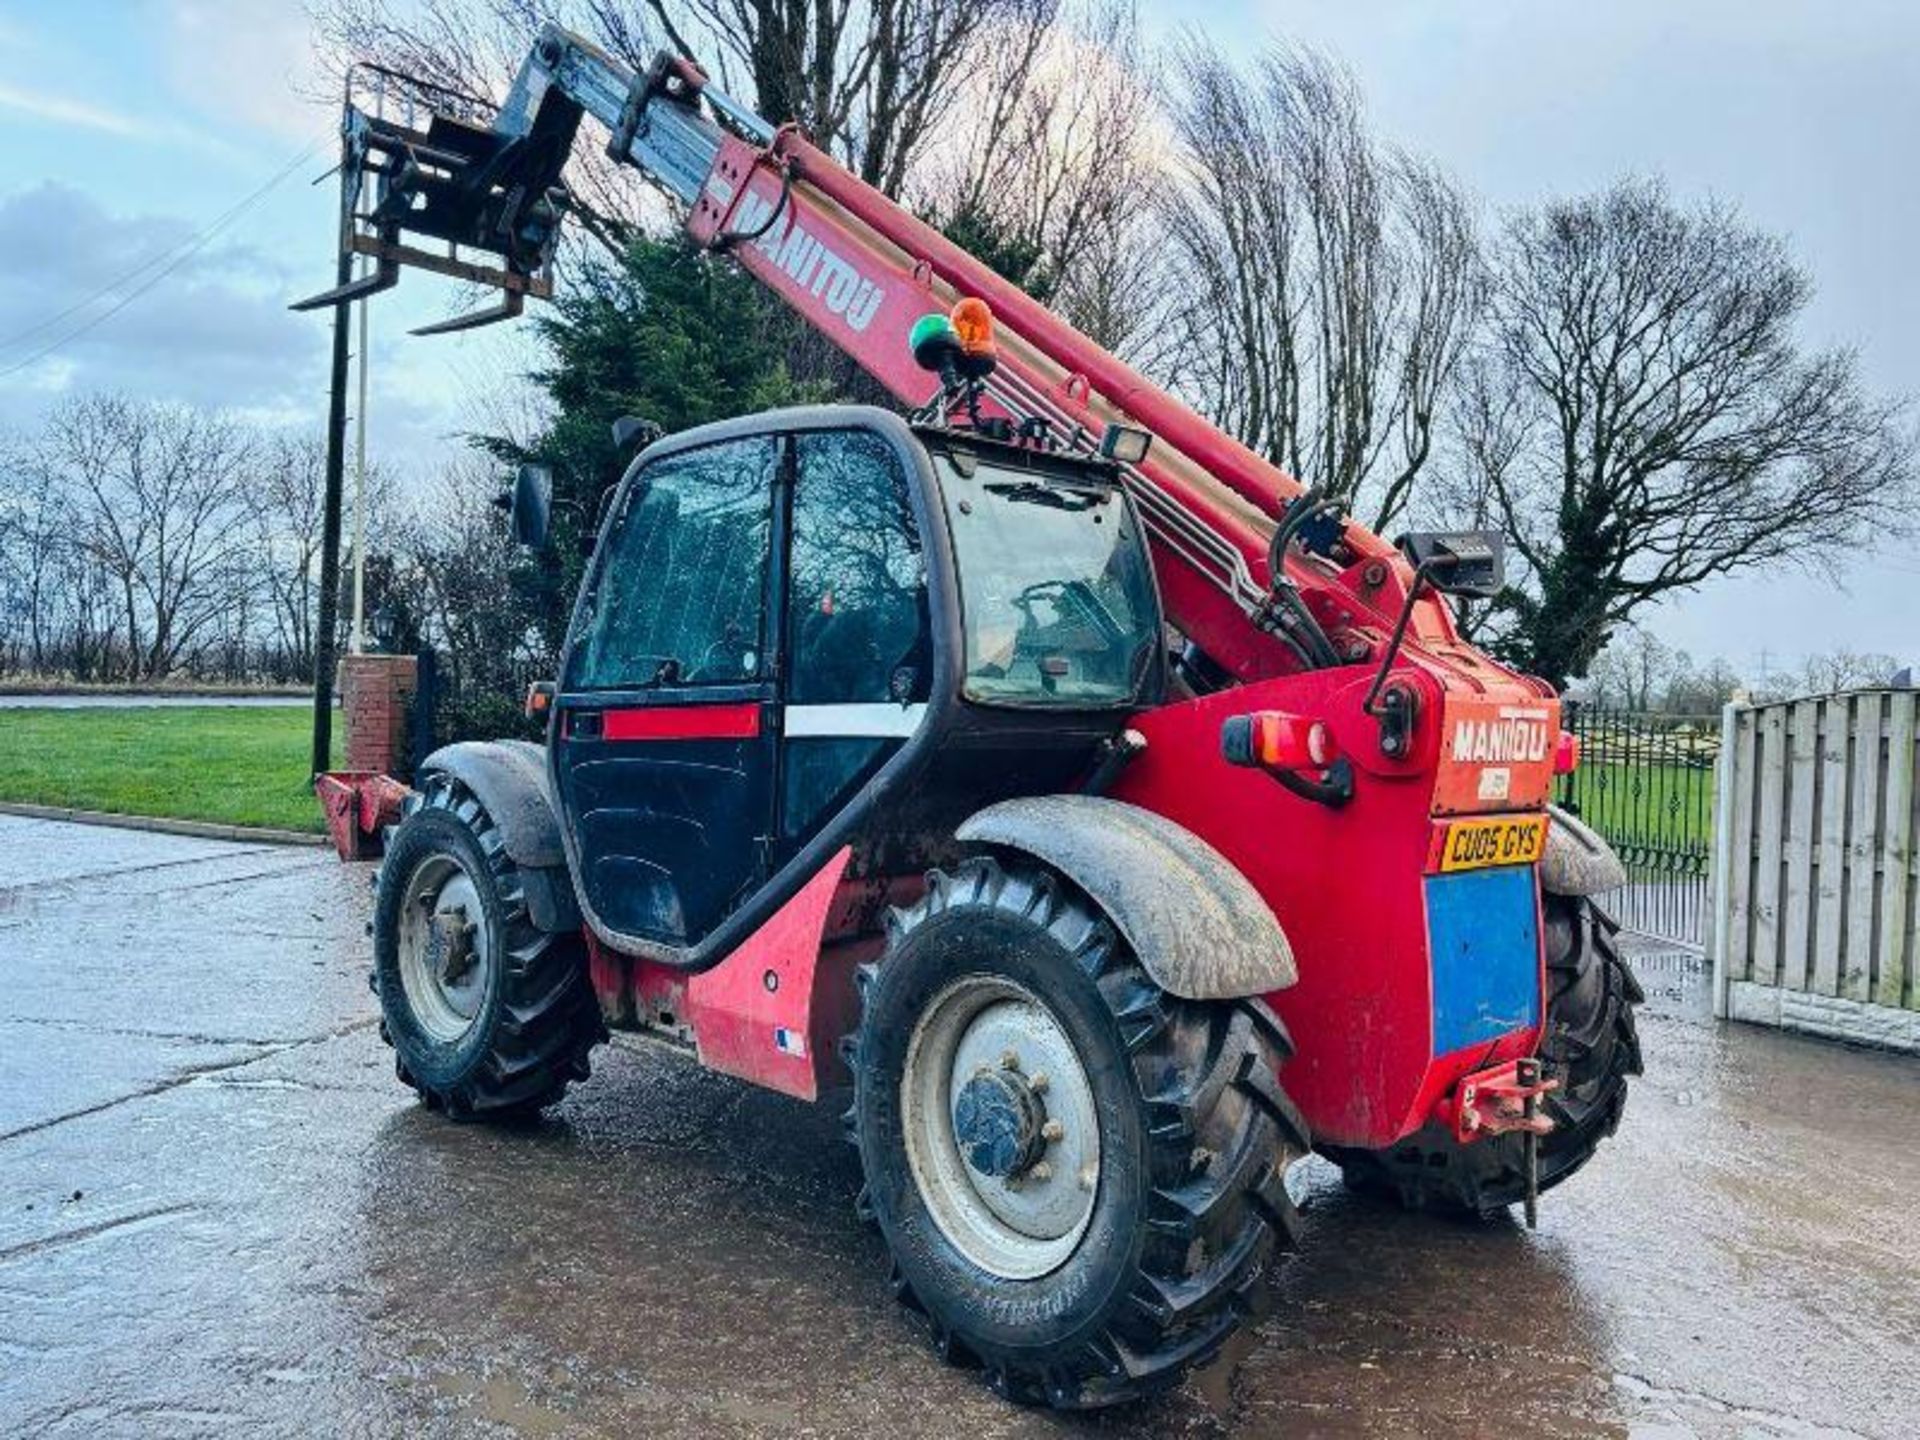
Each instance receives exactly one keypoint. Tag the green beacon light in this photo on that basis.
(933, 341)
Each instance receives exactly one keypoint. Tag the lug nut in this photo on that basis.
(1052, 1130)
(1037, 1082)
(1009, 1060)
(1088, 1175)
(1041, 1171)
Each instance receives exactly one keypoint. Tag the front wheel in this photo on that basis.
(1591, 1045)
(488, 1016)
(1080, 1177)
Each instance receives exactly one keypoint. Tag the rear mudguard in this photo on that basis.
(509, 779)
(1578, 862)
(1198, 926)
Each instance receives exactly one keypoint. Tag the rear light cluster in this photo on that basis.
(1275, 740)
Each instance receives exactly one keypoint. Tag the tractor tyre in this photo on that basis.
(1080, 1177)
(489, 1017)
(1591, 1046)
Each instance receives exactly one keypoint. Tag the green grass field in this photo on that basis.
(223, 763)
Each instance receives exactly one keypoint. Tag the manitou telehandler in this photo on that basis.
(1116, 818)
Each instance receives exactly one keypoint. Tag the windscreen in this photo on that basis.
(1056, 594)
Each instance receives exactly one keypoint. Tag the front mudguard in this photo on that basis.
(1196, 923)
(509, 779)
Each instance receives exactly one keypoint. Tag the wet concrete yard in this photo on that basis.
(219, 1214)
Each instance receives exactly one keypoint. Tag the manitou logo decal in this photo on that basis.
(1495, 755)
(1515, 737)
(831, 279)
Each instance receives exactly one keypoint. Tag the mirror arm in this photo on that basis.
(1421, 575)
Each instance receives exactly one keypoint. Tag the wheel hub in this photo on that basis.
(450, 944)
(997, 1118)
(1001, 1127)
(444, 948)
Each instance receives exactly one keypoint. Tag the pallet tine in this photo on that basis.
(385, 276)
(507, 309)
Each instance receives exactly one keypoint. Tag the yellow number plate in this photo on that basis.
(1477, 844)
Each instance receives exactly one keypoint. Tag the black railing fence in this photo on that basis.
(1646, 783)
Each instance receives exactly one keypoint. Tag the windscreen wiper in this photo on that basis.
(1039, 493)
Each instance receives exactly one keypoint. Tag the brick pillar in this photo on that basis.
(376, 700)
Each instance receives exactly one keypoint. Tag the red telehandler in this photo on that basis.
(1115, 817)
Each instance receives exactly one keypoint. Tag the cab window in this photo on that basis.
(857, 599)
(1057, 600)
(857, 627)
(679, 594)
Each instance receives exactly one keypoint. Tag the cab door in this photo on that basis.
(858, 647)
(664, 731)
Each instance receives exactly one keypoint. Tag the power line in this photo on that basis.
(174, 258)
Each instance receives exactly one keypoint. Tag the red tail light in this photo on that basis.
(1275, 740)
(1566, 753)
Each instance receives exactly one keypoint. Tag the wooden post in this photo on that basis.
(1897, 984)
(1728, 781)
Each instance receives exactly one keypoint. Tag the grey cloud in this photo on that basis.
(215, 330)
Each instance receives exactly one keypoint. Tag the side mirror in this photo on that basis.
(631, 431)
(1460, 562)
(531, 507)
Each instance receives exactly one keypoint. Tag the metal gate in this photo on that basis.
(1646, 783)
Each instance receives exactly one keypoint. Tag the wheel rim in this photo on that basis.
(445, 948)
(1002, 1133)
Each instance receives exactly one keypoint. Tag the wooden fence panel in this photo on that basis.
(1796, 841)
(1771, 781)
(1815, 905)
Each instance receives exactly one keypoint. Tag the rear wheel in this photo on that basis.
(1591, 1045)
(488, 1016)
(1080, 1177)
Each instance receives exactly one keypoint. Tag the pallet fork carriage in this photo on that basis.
(868, 761)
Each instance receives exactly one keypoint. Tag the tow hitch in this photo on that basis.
(1502, 1099)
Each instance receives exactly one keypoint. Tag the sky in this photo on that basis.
(128, 126)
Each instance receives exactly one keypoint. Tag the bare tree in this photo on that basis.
(36, 559)
(1645, 419)
(157, 501)
(1635, 671)
(284, 499)
(1046, 162)
(1333, 282)
(1845, 669)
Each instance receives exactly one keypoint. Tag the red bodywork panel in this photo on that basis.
(1346, 886)
(359, 805)
(682, 722)
(774, 1010)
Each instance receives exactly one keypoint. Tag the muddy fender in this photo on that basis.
(1197, 924)
(509, 779)
(1578, 862)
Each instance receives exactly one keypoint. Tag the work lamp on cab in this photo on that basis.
(1125, 445)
